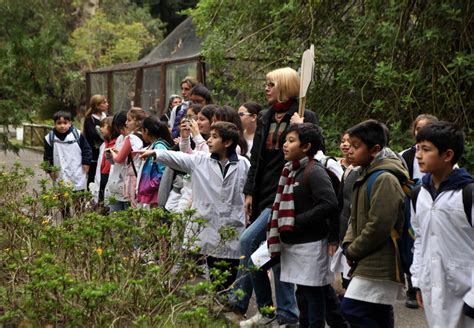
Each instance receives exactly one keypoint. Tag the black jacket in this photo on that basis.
(264, 192)
(316, 207)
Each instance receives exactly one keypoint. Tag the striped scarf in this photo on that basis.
(283, 210)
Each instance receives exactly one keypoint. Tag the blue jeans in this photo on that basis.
(312, 305)
(250, 240)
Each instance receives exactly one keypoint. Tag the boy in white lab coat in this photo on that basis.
(218, 179)
(443, 263)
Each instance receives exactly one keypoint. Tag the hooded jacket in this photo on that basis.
(368, 238)
(443, 261)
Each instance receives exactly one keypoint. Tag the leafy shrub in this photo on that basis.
(62, 263)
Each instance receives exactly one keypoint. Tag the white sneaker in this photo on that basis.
(257, 320)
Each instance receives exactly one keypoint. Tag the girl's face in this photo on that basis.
(420, 124)
(345, 144)
(146, 136)
(190, 114)
(103, 106)
(204, 124)
(247, 119)
(176, 101)
(132, 124)
(105, 130)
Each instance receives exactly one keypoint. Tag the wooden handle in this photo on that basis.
(301, 106)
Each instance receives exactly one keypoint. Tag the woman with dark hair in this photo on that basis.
(248, 113)
(200, 95)
(97, 111)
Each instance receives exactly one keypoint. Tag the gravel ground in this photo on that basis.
(404, 317)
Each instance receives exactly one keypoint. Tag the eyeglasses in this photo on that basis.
(243, 114)
(269, 84)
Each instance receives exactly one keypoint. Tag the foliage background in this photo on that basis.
(388, 60)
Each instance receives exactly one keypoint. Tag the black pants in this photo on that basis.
(334, 317)
(362, 314)
(103, 182)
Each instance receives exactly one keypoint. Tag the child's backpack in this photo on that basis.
(75, 133)
(336, 183)
(406, 240)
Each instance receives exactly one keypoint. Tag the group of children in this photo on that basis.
(286, 197)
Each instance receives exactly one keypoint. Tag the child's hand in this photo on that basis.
(194, 128)
(419, 299)
(248, 208)
(332, 248)
(296, 119)
(85, 168)
(184, 129)
(144, 154)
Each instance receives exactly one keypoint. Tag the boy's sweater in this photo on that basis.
(368, 239)
(217, 196)
(316, 207)
(443, 262)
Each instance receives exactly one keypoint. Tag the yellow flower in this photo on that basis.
(99, 251)
(66, 194)
(242, 257)
(45, 222)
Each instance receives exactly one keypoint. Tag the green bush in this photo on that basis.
(62, 263)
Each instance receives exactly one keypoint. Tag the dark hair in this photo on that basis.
(108, 121)
(201, 90)
(308, 133)
(252, 107)
(62, 114)
(208, 111)
(371, 132)
(228, 114)
(444, 135)
(227, 131)
(196, 108)
(157, 129)
(119, 121)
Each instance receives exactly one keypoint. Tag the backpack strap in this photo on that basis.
(467, 192)
(370, 181)
(326, 159)
(76, 134)
(51, 138)
(414, 196)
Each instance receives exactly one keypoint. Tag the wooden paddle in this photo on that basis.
(306, 75)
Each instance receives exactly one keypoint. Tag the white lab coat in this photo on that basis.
(67, 155)
(218, 199)
(443, 263)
